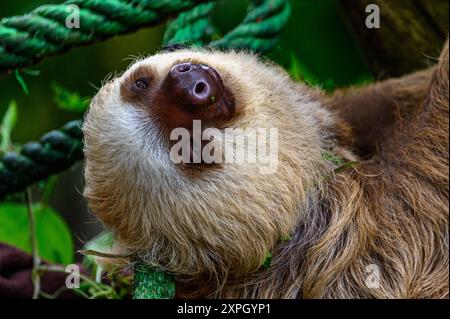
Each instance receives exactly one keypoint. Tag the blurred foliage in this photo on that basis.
(8, 123)
(317, 47)
(67, 100)
(53, 236)
(102, 243)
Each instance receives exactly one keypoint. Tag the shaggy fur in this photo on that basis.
(323, 220)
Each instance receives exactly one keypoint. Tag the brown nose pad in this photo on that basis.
(193, 85)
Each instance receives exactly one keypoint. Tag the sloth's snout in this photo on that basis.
(197, 85)
(189, 92)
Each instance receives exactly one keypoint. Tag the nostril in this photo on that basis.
(201, 88)
(182, 68)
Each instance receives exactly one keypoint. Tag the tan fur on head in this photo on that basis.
(222, 220)
(217, 224)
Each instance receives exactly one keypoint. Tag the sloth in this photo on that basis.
(357, 206)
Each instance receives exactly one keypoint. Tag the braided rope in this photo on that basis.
(59, 149)
(56, 151)
(25, 39)
(194, 27)
(258, 31)
(152, 284)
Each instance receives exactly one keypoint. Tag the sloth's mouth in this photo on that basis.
(195, 148)
(196, 155)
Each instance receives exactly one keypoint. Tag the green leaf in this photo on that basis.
(102, 242)
(119, 282)
(9, 121)
(330, 156)
(67, 100)
(300, 72)
(267, 261)
(31, 72)
(55, 243)
(21, 81)
(286, 238)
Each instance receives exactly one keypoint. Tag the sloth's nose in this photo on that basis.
(191, 92)
(195, 84)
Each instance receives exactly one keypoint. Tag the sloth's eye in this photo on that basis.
(141, 84)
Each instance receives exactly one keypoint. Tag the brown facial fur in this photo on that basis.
(213, 231)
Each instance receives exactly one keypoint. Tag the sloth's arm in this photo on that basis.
(421, 143)
(402, 121)
(370, 111)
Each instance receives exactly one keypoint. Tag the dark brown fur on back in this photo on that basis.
(389, 209)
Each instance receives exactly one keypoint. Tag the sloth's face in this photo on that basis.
(190, 218)
(176, 93)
